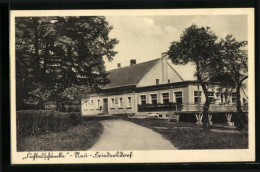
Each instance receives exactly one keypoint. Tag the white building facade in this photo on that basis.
(154, 86)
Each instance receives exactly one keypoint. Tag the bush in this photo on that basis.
(36, 122)
(242, 122)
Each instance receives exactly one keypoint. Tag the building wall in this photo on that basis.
(187, 98)
(156, 73)
(193, 88)
(88, 109)
(151, 76)
(172, 75)
(159, 95)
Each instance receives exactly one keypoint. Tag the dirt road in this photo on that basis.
(124, 135)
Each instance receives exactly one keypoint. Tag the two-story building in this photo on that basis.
(154, 86)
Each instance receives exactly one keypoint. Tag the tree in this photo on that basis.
(56, 53)
(234, 59)
(76, 95)
(233, 67)
(197, 46)
(27, 40)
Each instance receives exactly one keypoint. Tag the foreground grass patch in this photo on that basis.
(81, 137)
(190, 136)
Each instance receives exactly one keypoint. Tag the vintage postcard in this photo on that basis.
(132, 86)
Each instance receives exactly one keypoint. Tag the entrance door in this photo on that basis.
(105, 106)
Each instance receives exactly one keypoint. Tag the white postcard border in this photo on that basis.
(169, 156)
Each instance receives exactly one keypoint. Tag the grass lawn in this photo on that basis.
(190, 136)
(81, 137)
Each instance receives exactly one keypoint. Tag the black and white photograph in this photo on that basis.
(127, 86)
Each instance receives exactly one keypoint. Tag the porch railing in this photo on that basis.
(189, 107)
(159, 107)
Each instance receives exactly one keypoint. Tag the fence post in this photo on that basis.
(178, 118)
(199, 119)
(228, 117)
(210, 119)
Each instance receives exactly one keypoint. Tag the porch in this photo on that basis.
(189, 107)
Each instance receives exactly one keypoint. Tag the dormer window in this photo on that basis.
(157, 81)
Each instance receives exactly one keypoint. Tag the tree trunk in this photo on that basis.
(36, 46)
(205, 117)
(45, 59)
(239, 108)
(242, 118)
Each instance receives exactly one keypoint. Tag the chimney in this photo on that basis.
(118, 65)
(164, 59)
(132, 62)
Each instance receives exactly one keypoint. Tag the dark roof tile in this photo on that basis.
(129, 75)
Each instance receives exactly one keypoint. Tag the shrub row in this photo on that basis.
(36, 122)
(107, 117)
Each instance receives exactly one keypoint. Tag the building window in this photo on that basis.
(120, 102)
(165, 97)
(211, 96)
(112, 102)
(154, 99)
(197, 96)
(234, 97)
(129, 101)
(169, 81)
(91, 103)
(143, 99)
(178, 97)
(157, 81)
(222, 97)
(98, 104)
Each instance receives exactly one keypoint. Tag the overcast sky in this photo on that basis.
(144, 38)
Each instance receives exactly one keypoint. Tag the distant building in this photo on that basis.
(154, 86)
(50, 105)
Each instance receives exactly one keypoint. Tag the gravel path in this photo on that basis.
(123, 135)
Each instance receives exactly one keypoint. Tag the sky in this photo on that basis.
(145, 38)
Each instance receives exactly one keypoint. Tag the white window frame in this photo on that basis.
(140, 100)
(162, 96)
(211, 96)
(174, 97)
(119, 103)
(151, 97)
(112, 105)
(128, 105)
(87, 104)
(98, 103)
(231, 97)
(197, 96)
(91, 104)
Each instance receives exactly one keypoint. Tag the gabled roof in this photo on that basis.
(129, 75)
